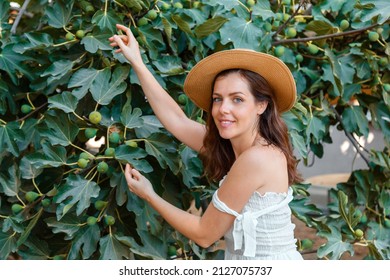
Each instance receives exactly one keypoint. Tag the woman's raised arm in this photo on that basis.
(190, 132)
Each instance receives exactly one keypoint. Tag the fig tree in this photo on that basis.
(26, 108)
(344, 24)
(386, 87)
(114, 137)
(31, 196)
(279, 51)
(182, 99)
(142, 21)
(95, 117)
(251, 3)
(359, 233)
(90, 132)
(82, 163)
(165, 6)
(102, 167)
(100, 204)
(373, 36)
(313, 49)
(151, 14)
(172, 252)
(291, 32)
(84, 155)
(80, 34)
(267, 26)
(299, 58)
(69, 36)
(383, 61)
(178, 5)
(45, 202)
(16, 208)
(306, 244)
(109, 220)
(91, 221)
(110, 152)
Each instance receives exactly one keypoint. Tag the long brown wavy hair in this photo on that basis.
(217, 153)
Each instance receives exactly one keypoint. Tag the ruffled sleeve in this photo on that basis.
(244, 227)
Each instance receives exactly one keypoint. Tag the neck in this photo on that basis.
(240, 146)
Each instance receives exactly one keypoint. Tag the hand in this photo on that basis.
(127, 44)
(138, 184)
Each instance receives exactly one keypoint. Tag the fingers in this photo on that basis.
(119, 42)
(132, 175)
(122, 37)
(126, 30)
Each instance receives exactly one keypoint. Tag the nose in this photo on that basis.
(224, 107)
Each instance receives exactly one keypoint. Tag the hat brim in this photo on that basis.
(199, 81)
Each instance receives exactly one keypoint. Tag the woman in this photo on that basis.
(244, 145)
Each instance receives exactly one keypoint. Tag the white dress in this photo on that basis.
(263, 230)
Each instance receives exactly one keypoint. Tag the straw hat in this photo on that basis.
(199, 81)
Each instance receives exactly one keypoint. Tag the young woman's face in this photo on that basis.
(234, 109)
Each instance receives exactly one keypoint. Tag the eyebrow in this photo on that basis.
(230, 94)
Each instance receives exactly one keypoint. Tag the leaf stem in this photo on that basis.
(105, 8)
(3, 217)
(119, 4)
(81, 149)
(64, 43)
(36, 187)
(74, 113)
(3, 122)
(21, 201)
(107, 137)
(94, 174)
(373, 211)
(29, 101)
(71, 170)
(103, 157)
(380, 43)
(243, 5)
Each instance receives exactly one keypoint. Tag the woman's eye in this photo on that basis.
(237, 100)
(216, 99)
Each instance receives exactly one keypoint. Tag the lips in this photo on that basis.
(225, 123)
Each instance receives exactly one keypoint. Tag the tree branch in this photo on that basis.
(333, 35)
(352, 139)
(19, 16)
(301, 3)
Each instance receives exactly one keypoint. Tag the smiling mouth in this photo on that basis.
(226, 123)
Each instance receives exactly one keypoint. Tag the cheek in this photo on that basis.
(214, 110)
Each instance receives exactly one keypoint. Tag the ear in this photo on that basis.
(261, 107)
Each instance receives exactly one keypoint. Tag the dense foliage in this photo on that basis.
(61, 85)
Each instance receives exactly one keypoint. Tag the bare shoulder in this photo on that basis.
(262, 155)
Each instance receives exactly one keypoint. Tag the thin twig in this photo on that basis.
(351, 138)
(19, 16)
(301, 3)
